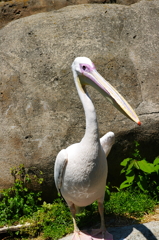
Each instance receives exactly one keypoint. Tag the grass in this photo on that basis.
(128, 203)
(54, 220)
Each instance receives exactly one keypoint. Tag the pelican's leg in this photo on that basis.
(73, 212)
(76, 235)
(105, 234)
(101, 212)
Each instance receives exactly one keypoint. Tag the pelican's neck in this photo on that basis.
(91, 132)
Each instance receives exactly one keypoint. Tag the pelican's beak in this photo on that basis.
(94, 79)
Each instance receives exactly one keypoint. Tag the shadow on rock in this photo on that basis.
(147, 231)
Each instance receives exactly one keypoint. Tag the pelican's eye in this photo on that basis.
(84, 67)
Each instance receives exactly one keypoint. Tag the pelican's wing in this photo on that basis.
(60, 164)
(107, 142)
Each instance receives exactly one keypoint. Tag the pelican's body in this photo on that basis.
(87, 167)
(81, 169)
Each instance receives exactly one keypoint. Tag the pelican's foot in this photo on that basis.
(101, 234)
(94, 234)
(77, 235)
(105, 234)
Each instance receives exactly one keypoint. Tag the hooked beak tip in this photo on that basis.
(139, 123)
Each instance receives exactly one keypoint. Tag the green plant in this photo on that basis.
(141, 174)
(54, 220)
(129, 203)
(18, 200)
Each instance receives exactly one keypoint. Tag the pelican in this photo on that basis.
(80, 170)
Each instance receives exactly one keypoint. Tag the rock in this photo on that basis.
(40, 109)
(133, 232)
(15, 9)
(137, 231)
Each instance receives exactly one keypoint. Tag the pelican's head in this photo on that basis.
(85, 71)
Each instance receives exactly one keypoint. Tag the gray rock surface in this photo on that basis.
(11, 10)
(40, 110)
(147, 231)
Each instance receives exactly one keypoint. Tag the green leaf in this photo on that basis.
(130, 172)
(130, 178)
(125, 184)
(122, 171)
(136, 144)
(145, 166)
(136, 165)
(125, 162)
(156, 169)
(132, 164)
(156, 161)
(142, 183)
(17, 233)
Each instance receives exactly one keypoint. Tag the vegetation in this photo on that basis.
(141, 174)
(18, 200)
(54, 220)
(130, 204)
(137, 195)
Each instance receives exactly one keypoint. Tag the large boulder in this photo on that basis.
(15, 9)
(40, 109)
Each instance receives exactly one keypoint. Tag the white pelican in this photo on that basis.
(80, 170)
